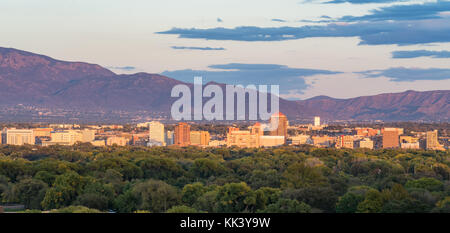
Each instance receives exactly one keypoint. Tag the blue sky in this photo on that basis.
(339, 48)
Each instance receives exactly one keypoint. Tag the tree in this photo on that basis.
(373, 203)
(160, 168)
(156, 196)
(443, 206)
(430, 184)
(349, 203)
(182, 209)
(191, 192)
(235, 198)
(45, 176)
(323, 198)
(205, 168)
(30, 192)
(75, 209)
(127, 202)
(64, 191)
(405, 206)
(284, 205)
(207, 202)
(268, 178)
(298, 175)
(266, 196)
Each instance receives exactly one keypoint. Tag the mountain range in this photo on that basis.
(36, 80)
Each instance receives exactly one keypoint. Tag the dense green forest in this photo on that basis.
(83, 178)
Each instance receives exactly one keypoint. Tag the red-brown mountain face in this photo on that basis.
(30, 78)
(36, 80)
(406, 106)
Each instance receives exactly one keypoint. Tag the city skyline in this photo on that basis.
(302, 56)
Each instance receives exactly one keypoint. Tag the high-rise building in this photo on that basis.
(400, 131)
(432, 141)
(157, 132)
(279, 124)
(18, 137)
(316, 121)
(390, 138)
(200, 138)
(182, 134)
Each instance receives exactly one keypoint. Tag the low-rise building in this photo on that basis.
(114, 140)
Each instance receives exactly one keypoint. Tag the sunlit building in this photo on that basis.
(114, 140)
(366, 143)
(301, 139)
(390, 138)
(242, 138)
(87, 135)
(432, 141)
(271, 141)
(182, 135)
(279, 124)
(157, 132)
(42, 132)
(316, 121)
(345, 141)
(18, 137)
(366, 132)
(200, 138)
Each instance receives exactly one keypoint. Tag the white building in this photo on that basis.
(18, 137)
(316, 121)
(157, 132)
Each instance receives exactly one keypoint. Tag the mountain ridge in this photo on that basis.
(39, 80)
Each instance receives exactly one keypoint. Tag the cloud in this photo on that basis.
(428, 10)
(289, 79)
(364, 1)
(402, 74)
(279, 20)
(420, 53)
(370, 33)
(123, 68)
(195, 48)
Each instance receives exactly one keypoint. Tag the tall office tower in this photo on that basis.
(432, 141)
(157, 132)
(390, 138)
(18, 137)
(200, 138)
(182, 134)
(280, 120)
(316, 121)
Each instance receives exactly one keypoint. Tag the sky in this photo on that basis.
(338, 48)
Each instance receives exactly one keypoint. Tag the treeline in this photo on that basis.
(83, 178)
